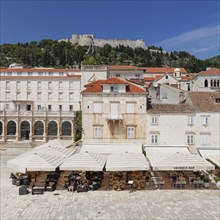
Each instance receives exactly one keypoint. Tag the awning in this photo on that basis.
(35, 162)
(171, 158)
(51, 149)
(112, 148)
(127, 162)
(211, 154)
(85, 162)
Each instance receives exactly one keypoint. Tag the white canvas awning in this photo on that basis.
(171, 158)
(53, 149)
(85, 162)
(127, 162)
(35, 162)
(112, 148)
(211, 154)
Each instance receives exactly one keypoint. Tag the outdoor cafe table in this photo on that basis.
(180, 183)
(198, 183)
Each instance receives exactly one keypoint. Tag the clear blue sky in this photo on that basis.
(175, 25)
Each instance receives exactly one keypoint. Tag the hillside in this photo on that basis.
(49, 53)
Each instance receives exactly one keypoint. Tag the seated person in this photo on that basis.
(173, 178)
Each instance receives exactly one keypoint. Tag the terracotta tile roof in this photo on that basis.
(205, 101)
(162, 70)
(185, 77)
(37, 70)
(94, 83)
(212, 71)
(168, 108)
(149, 79)
(97, 85)
(125, 68)
(40, 77)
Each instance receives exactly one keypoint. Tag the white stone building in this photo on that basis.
(194, 122)
(38, 104)
(207, 81)
(113, 111)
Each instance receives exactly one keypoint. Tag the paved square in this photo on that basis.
(148, 204)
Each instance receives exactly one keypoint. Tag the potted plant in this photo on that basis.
(206, 182)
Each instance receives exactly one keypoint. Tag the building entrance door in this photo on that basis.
(25, 130)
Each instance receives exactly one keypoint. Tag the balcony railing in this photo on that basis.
(37, 113)
(114, 117)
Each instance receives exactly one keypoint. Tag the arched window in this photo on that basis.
(66, 128)
(11, 128)
(1, 128)
(211, 83)
(25, 129)
(218, 83)
(38, 128)
(214, 83)
(206, 83)
(52, 128)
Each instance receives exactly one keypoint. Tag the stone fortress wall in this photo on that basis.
(90, 40)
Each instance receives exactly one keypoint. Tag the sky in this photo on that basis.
(189, 25)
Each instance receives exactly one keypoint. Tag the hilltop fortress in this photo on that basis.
(91, 41)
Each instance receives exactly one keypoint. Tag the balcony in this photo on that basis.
(114, 117)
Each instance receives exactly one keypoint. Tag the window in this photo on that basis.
(130, 107)
(117, 75)
(137, 75)
(9, 73)
(70, 85)
(18, 95)
(28, 107)
(190, 139)
(39, 108)
(60, 96)
(49, 108)
(28, 96)
(217, 83)
(49, 85)
(214, 83)
(97, 132)
(7, 85)
(18, 107)
(7, 106)
(19, 73)
(18, 85)
(38, 85)
(7, 95)
(206, 83)
(39, 96)
(211, 83)
(71, 96)
(50, 74)
(28, 85)
(49, 95)
(166, 77)
(30, 73)
(189, 120)
(60, 107)
(70, 108)
(154, 138)
(114, 88)
(164, 95)
(60, 85)
(130, 132)
(97, 107)
(204, 139)
(154, 120)
(204, 120)
(60, 74)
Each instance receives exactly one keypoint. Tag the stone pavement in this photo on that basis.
(148, 204)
